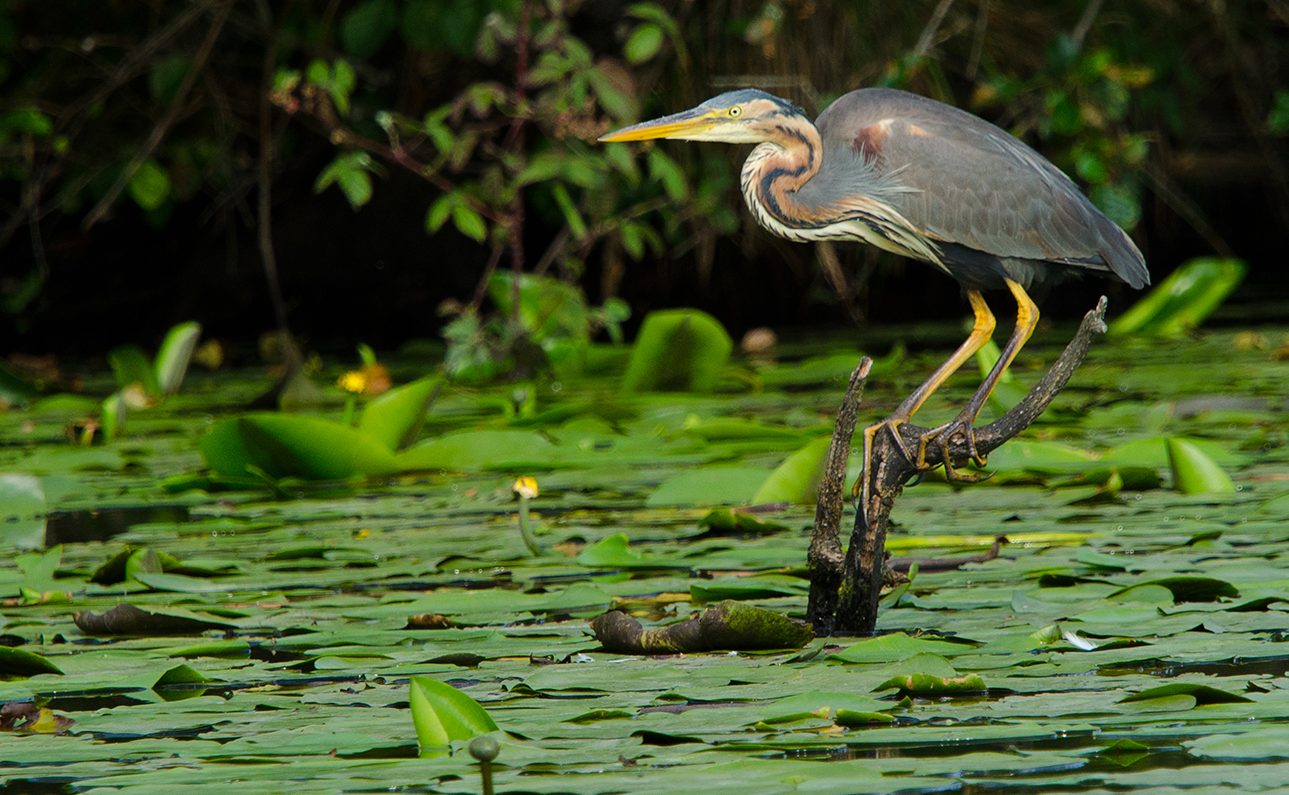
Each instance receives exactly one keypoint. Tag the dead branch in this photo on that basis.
(844, 593)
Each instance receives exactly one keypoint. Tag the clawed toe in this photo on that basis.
(943, 437)
(959, 430)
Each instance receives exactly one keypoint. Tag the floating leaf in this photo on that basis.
(474, 451)
(174, 355)
(898, 646)
(180, 675)
(1189, 588)
(677, 350)
(614, 552)
(441, 714)
(733, 520)
(797, 479)
(22, 511)
(1194, 472)
(823, 704)
(215, 648)
(1203, 694)
(759, 587)
(930, 684)
(727, 485)
(395, 417)
(20, 662)
(285, 445)
(931, 674)
(1268, 743)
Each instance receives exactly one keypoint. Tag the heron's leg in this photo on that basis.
(981, 331)
(1026, 321)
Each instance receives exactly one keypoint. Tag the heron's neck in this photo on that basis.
(775, 172)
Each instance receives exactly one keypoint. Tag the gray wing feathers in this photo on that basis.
(962, 180)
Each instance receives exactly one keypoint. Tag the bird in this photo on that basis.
(927, 181)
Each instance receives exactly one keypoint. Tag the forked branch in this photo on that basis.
(844, 590)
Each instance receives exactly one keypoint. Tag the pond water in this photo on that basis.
(1129, 637)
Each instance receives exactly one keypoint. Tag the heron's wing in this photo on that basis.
(959, 179)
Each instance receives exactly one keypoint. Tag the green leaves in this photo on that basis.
(150, 185)
(1183, 300)
(351, 172)
(897, 646)
(22, 511)
(1199, 694)
(643, 43)
(465, 217)
(797, 479)
(173, 356)
(677, 350)
(395, 417)
(927, 674)
(366, 26)
(20, 662)
(442, 714)
(338, 79)
(1194, 472)
(285, 446)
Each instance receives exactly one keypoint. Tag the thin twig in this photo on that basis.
(932, 26)
(1085, 23)
(1168, 193)
(166, 121)
(73, 119)
(481, 289)
(978, 39)
(264, 203)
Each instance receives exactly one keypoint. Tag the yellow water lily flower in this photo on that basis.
(354, 382)
(526, 487)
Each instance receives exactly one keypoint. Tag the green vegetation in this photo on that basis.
(529, 555)
(211, 123)
(172, 625)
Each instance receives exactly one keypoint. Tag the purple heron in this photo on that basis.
(926, 181)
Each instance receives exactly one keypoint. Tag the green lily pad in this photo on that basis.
(294, 446)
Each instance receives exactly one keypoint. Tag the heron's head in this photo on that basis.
(745, 116)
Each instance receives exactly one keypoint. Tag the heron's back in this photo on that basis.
(995, 206)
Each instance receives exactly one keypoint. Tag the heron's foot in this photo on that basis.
(862, 491)
(891, 424)
(958, 430)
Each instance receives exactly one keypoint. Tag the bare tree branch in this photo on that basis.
(854, 591)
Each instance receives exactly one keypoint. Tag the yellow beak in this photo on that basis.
(677, 125)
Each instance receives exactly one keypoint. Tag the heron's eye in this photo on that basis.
(735, 111)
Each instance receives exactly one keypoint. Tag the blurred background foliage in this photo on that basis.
(381, 169)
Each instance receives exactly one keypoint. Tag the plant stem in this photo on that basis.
(526, 529)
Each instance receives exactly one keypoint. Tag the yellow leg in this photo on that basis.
(981, 331)
(1026, 321)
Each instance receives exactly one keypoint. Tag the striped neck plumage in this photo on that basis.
(778, 168)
